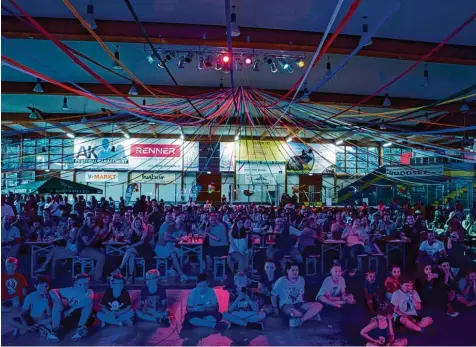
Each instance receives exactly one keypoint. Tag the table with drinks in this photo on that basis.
(329, 244)
(192, 245)
(40, 248)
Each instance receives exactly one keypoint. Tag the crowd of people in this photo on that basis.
(288, 234)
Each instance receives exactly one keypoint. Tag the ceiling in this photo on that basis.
(269, 27)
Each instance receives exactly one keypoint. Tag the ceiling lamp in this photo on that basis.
(181, 63)
(464, 107)
(201, 63)
(84, 120)
(339, 142)
(300, 63)
(305, 96)
(65, 104)
(133, 90)
(382, 125)
(289, 139)
(387, 144)
(426, 76)
(235, 30)
(33, 114)
(71, 136)
(115, 65)
(386, 101)
(328, 67)
(272, 65)
(256, 64)
(365, 31)
(150, 58)
(189, 57)
(248, 60)
(90, 16)
(225, 58)
(283, 63)
(38, 86)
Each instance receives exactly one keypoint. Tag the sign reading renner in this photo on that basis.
(406, 171)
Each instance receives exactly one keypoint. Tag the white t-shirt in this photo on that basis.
(287, 292)
(335, 289)
(197, 298)
(73, 296)
(7, 210)
(406, 302)
(435, 248)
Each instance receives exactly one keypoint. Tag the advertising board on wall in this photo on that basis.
(153, 177)
(227, 156)
(407, 171)
(100, 176)
(135, 154)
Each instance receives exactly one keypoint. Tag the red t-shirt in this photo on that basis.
(12, 286)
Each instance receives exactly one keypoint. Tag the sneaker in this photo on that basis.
(43, 331)
(52, 336)
(79, 333)
(453, 314)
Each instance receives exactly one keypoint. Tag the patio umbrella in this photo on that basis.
(56, 185)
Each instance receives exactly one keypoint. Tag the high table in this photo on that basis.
(396, 245)
(40, 248)
(192, 246)
(260, 244)
(329, 245)
(115, 248)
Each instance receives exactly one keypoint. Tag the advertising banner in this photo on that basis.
(407, 171)
(153, 177)
(129, 191)
(262, 151)
(258, 173)
(303, 160)
(227, 156)
(101, 153)
(101, 176)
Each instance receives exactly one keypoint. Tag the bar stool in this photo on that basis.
(311, 264)
(84, 264)
(219, 263)
(164, 262)
(139, 263)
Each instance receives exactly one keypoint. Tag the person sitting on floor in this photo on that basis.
(202, 306)
(116, 305)
(36, 311)
(371, 290)
(153, 300)
(289, 289)
(72, 306)
(242, 310)
(266, 282)
(14, 286)
(407, 302)
(467, 289)
(333, 289)
(379, 331)
(392, 282)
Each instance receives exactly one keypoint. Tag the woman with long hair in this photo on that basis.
(238, 251)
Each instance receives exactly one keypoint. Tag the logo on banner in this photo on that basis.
(155, 151)
(102, 177)
(103, 154)
(160, 178)
(402, 171)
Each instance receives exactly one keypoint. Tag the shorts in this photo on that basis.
(190, 315)
(397, 318)
(164, 252)
(217, 251)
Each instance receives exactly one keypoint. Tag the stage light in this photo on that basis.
(290, 139)
(339, 142)
(382, 125)
(237, 137)
(90, 16)
(209, 172)
(300, 63)
(365, 31)
(464, 107)
(248, 61)
(218, 65)
(161, 64)
(181, 63)
(235, 29)
(71, 136)
(169, 55)
(189, 57)
(201, 63)
(133, 90)
(115, 65)
(150, 58)
(272, 65)
(38, 86)
(225, 59)
(283, 63)
(386, 101)
(256, 64)
(290, 68)
(388, 144)
(65, 104)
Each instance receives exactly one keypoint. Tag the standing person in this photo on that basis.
(218, 240)
(238, 252)
(202, 306)
(72, 306)
(7, 209)
(290, 291)
(85, 242)
(116, 305)
(14, 286)
(355, 241)
(153, 300)
(11, 237)
(333, 290)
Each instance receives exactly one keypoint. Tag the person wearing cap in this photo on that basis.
(153, 300)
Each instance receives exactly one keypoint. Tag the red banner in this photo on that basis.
(155, 151)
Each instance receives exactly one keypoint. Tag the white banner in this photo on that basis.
(406, 171)
(227, 156)
(258, 173)
(101, 176)
(153, 177)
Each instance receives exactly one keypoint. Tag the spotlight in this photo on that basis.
(133, 90)
(300, 63)
(218, 65)
(225, 59)
(115, 65)
(209, 172)
(126, 134)
(90, 17)
(387, 144)
(248, 61)
(150, 58)
(328, 67)
(290, 68)
(189, 57)
(33, 114)
(386, 101)
(38, 87)
(65, 104)
(365, 31)
(382, 125)
(201, 63)
(71, 136)
(161, 64)
(181, 62)
(272, 65)
(339, 142)
(289, 139)
(237, 137)
(256, 64)
(426, 76)
(464, 107)
(235, 30)
(209, 61)
(283, 63)
(169, 55)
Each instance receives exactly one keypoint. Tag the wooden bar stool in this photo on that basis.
(219, 263)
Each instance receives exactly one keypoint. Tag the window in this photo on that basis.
(46, 154)
(392, 156)
(356, 160)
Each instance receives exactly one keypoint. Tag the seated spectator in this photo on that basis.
(242, 310)
(431, 249)
(379, 331)
(407, 302)
(238, 251)
(454, 225)
(284, 245)
(72, 306)
(333, 289)
(116, 305)
(468, 224)
(14, 286)
(457, 254)
(467, 289)
(389, 226)
(36, 311)
(289, 289)
(218, 240)
(11, 237)
(153, 300)
(86, 240)
(202, 306)
(392, 282)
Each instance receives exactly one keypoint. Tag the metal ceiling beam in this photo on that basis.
(251, 38)
(7, 128)
(321, 98)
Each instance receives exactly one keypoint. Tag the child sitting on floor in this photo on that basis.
(371, 290)
(116, 305)
(407, 302)
(36, 310)
(333, 289)
(202, 306)
(392, 282)
(14, 286)
(242, 310)
(153, 300)
(467, 289)
(379, 332)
